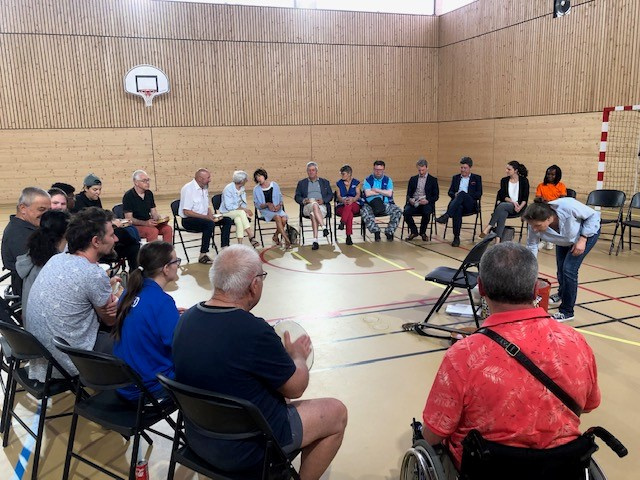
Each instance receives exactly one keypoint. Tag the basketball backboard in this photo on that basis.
(146, 81)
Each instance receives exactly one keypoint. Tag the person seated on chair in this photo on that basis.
(197, 213)
(72, 297)
(43, 244)
(478, 386)
(234, 205)
(551, 189)
(32, 204)
(128, 242)
(220, 345)
(378, 196)
(513, 197)
(465, 191)
(59, 200)
(69, 190)
(314, 193)
(268, 200)
(348, 196)
(139, 207)
(422, 194)
(574, 228)
(146, 319)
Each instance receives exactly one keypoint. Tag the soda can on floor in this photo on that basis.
(142, 470)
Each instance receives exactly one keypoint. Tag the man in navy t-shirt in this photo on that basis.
(220, 346)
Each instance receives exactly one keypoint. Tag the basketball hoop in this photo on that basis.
(148, 96)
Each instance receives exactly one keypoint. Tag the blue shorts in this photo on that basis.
(296, 430)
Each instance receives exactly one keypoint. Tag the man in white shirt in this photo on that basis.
(197, 213)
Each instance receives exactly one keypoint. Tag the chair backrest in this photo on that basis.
(175, 206)
(118, 211)
(222, 416)
(475, 254)
(99, 371)
(635, 201)
(24, 346)
(571, 193)
(216, 200)
(606, 198)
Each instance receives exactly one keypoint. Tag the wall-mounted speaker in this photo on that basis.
(561, 8)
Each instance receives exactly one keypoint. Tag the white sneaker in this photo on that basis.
(549, 246)
(561, 317)
(554, 299)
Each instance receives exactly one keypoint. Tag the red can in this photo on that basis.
(142, 470)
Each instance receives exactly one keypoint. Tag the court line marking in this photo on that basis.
(380, 359)
(609, 337)
(297, 255)
(27, 448)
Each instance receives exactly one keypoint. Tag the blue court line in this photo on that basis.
(381, 359)
(27, 449)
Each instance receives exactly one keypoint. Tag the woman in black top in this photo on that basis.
(512, 197)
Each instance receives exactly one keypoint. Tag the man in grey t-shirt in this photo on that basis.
(72, 293)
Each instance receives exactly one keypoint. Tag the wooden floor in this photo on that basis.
(353, 300)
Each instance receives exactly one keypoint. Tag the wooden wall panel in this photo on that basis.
(42, 157)
(465, 139)
(400, 146)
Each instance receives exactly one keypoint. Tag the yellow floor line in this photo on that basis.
(411, 272)
(301, 258)
(609, 337)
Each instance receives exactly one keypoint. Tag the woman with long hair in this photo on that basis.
(147, 317)
(512, 197)
(44, 243)
(267, 198)
(574, 228)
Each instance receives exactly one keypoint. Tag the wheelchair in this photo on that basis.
(486, 460)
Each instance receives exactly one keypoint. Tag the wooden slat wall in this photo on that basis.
(566, 140)
(498, 61)
(64, 61)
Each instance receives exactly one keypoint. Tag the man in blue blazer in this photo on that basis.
(314, 194)
(422, 195)
(465, 191)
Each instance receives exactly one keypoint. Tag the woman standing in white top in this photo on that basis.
(234, 206)
(512, 198)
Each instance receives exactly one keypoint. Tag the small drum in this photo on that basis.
(295, 332)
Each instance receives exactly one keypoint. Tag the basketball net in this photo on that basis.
(148, 96)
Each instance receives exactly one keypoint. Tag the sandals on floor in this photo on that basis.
(254, 242)
(205, 259)
(276, 239)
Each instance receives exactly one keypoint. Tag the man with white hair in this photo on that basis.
(139, 208)
(33, 202)
(196, 212)
(219, 345)
(314, 194)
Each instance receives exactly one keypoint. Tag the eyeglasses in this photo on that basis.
(144, 180)
(263, 275)
(177, 261)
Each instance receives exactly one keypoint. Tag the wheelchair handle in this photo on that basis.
(612, 442)
(417, 430)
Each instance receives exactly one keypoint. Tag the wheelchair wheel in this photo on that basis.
(421, 462)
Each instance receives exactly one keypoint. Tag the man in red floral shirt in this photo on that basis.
(479, 386)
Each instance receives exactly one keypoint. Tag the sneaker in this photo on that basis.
(349, 241)
(423, 236)
(561, 317)
(341, 225)
(554, 299)
(325, 232)
(456, 242)
(549, 246)
(443, 219)
(315, 246)
(377, 236)
(389, 237)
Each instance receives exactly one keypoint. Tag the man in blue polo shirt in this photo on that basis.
(378, 192)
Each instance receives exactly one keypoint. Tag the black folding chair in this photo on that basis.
(179, 229)
(104, 374)
(327, 223)
(571, 193)
(517, 215)
(118, 211)
(336, 216)
(223, 417)
(432, 224)
(24, 347)
(611, 199)
(466, 225)
(629, 222)
(462, 277)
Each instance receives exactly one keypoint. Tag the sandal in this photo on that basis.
(276, 239)
(254, 242)
(205, 259)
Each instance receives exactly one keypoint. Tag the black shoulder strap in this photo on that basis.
(514, 351)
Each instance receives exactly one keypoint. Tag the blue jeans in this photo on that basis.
(568, 267)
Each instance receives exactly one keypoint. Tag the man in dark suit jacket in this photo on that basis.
(314, 194)
(465, 191)
(422, 195)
